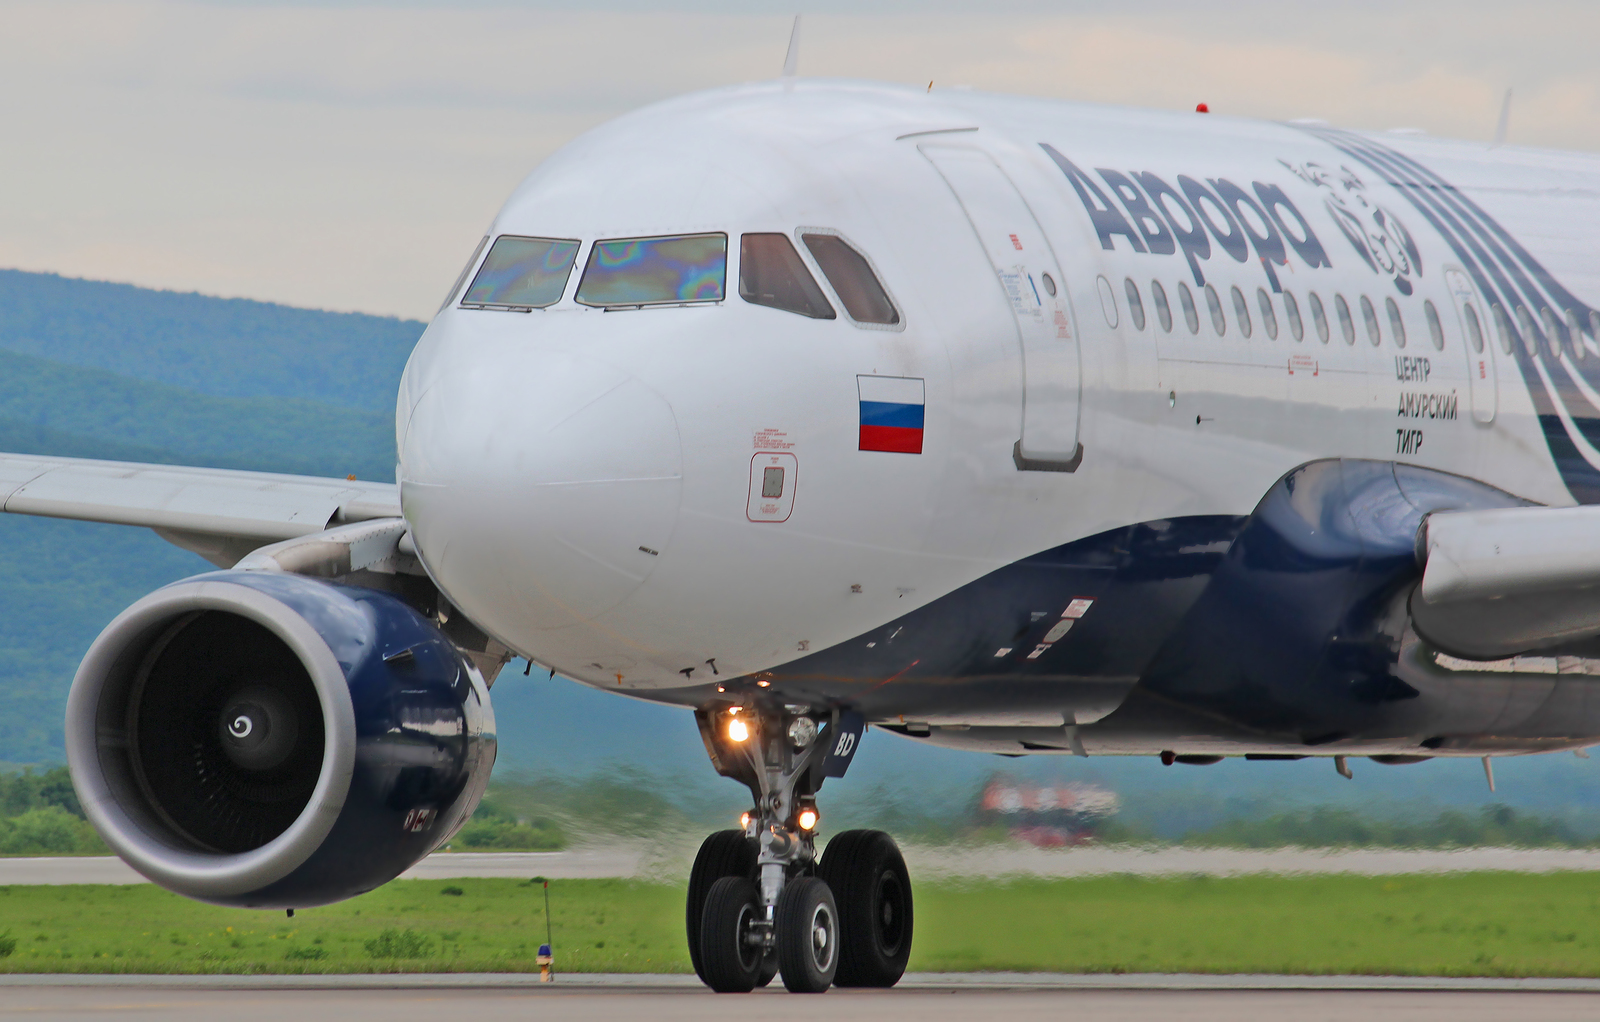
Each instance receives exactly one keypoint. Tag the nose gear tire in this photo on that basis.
(769, 969)
(869, 880)
(726, 853)
(730, 960)
(807, 929)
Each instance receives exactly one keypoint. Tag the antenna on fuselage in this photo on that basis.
(791, 60)
(1499, 128)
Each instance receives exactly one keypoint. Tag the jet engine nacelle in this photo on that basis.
(268, 740)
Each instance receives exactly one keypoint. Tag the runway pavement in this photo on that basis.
(931, 863)
(929, 998)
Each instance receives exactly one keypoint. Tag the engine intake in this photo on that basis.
(274, 741)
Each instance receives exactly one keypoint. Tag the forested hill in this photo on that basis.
(226, 347)
(96, 370)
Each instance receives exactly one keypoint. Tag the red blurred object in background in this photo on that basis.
(1047, 815)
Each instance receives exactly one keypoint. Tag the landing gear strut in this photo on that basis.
(759, 900)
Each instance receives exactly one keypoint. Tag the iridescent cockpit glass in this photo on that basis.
(655, 271)
(522, 273)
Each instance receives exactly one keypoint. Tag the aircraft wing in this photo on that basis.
(221, 514)
(1510, 580)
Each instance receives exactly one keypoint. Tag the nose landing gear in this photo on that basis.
(759, 901)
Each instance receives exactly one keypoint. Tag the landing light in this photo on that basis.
(807, 819)
(738, 730)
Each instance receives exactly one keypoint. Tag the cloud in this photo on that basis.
(348, 155)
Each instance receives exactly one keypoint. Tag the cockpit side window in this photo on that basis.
(522, 273)
(455, 288)
(853, 280)
(655, 271)
(771, 273)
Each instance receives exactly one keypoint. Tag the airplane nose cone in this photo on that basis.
(540, 489)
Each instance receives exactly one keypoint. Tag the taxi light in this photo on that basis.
(802, 732)
(808, 819)
(738, 730)
(744, 821)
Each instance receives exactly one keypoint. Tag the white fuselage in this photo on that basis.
(579, 480)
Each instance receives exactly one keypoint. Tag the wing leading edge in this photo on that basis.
(220, 514)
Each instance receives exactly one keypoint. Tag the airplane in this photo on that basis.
(811, 406)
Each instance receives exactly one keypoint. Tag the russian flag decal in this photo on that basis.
(891, 413)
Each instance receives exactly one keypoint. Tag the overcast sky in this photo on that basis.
(348, 155)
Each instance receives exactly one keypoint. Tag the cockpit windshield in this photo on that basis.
(522, 273)
(655, 271)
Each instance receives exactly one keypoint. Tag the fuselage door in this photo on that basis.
(1027, 273)
(1477, 343)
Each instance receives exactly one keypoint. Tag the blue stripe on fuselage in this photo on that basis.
(884, 413)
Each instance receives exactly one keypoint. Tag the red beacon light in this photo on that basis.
(1202, 108)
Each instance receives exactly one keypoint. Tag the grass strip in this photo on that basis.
(1468, 924)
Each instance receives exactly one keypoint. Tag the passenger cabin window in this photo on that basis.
(1474, 327)
(1158, 295)
(1347, 325)
(1241, 312)
(1575, 333)
(1218, 322)
(1552, 332)
(1435, 328)
(1397, 326)
(1370, 315)
(1269, 316)
(674, 270)
(1108, 301)
(771, 273)
(1502, 324)
(522, 273)
(1135, 305)
(1291, 309)
(1319, 317)
(1530, 333)
(1191, 315)
(853, 280)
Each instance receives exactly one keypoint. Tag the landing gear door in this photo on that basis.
(1476, 343)
(1027, 272)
